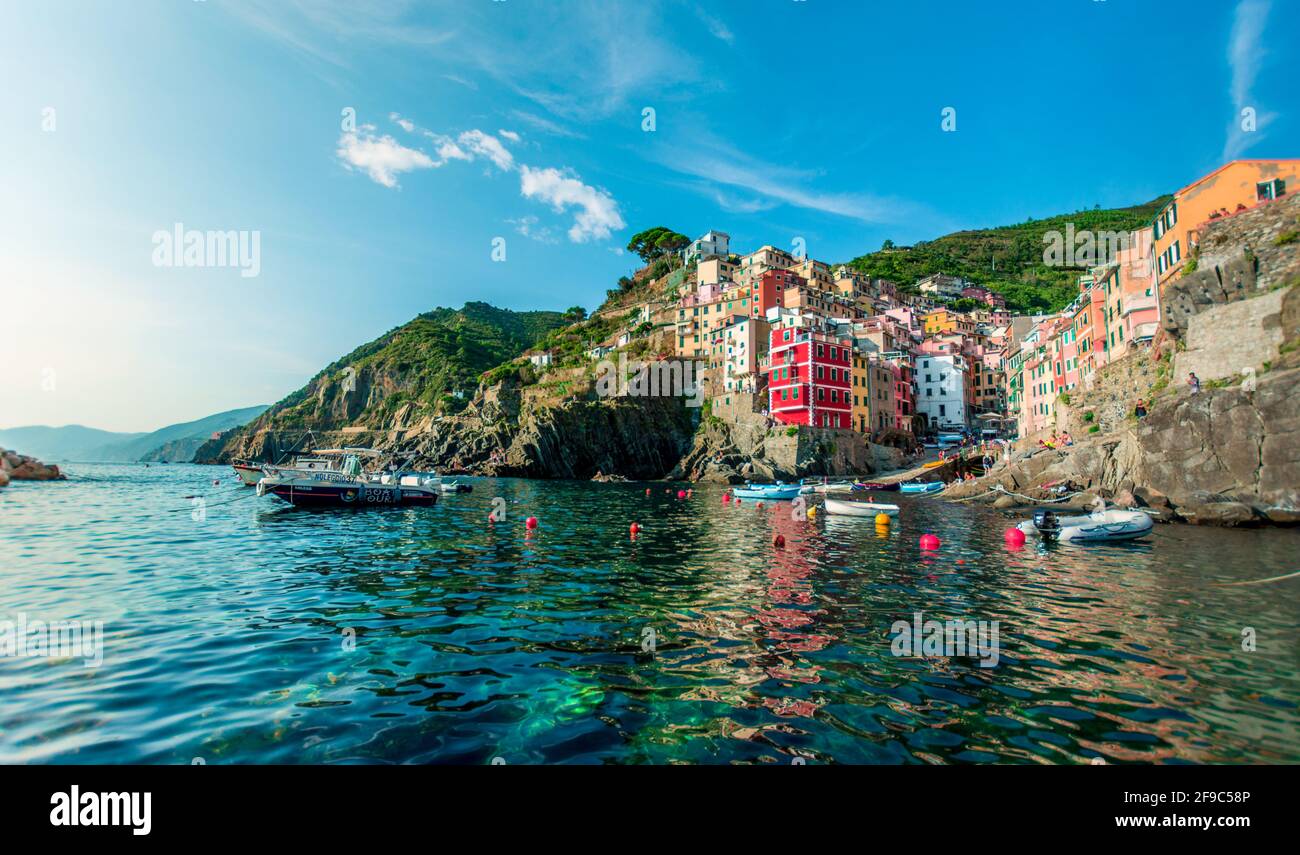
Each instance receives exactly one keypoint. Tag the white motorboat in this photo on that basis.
(1113, 524)
(348, 486)
(854, 508)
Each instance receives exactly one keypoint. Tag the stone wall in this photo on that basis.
(1241, 256)
(1234, 338)
(1114, 392)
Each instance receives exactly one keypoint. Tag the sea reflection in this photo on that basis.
(269, 634)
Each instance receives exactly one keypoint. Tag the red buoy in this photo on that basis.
(681, 494)
(530, 523)
(647, 491)
(726, 497)
(779, 541)
(1014, 537)
(634, 528)
(929, 542)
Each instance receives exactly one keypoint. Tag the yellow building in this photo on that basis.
(861, 390)
(939, 321)
(1235, 186)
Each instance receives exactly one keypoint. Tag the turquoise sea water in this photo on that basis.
(230, 637)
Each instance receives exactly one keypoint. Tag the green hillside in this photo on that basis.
(423, 361)
(1006, 259)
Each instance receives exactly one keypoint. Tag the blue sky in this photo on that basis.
(523, 120)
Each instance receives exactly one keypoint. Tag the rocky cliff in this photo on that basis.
(1228, 455)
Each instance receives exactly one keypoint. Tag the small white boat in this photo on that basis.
(851, 508)
(1114, 524)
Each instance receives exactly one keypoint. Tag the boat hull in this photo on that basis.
(877, 487)
(928, 487)
(1107, 526)
(785, 491)
(249, 475)
(351, 495)
(848, 508)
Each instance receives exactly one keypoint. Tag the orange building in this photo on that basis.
(1235, 186)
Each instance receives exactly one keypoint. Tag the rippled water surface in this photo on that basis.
(265, 633)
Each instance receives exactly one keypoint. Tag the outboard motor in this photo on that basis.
(1047, 523)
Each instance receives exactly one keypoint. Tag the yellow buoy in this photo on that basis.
(882, 519)
(812, 512)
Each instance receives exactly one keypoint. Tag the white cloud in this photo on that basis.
(486, 145)
(1245, 55)
(597, 212)
(381, 157)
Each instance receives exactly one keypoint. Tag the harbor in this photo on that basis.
(241, 629)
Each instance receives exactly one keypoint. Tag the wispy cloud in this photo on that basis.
(720, 170)
(456, 78)
(716, 27)
(595, 211)
(530, 227)
(544, 125)
(1245, 57)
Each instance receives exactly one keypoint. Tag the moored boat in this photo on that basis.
(766, 491)
(856, 508)
(922, 487)
(249, 473)
(1114, 524)
(877, 486)
(337, 489)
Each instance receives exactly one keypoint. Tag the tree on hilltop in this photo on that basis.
(657, 242)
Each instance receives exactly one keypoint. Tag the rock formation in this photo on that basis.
(19, 467)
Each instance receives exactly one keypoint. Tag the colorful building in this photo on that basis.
(1236, 186)
(810, 378)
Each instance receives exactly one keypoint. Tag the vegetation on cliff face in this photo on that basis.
(424, 363)
(1006, 259)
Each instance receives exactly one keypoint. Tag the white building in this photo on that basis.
(712, 243)
(940, 285)
(737, 350)
(940, 383)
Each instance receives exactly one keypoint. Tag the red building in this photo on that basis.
(810, 378)
(770, 289)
